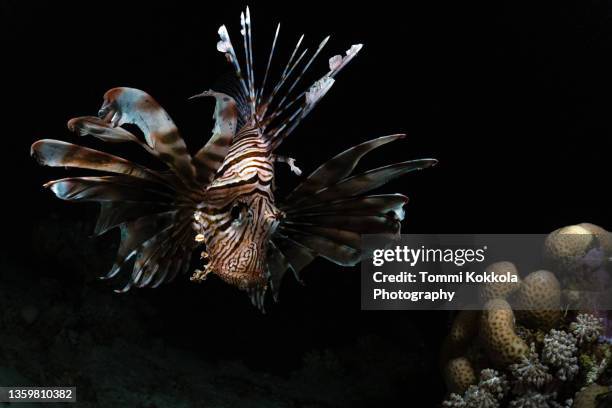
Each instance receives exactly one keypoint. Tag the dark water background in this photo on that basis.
(513, 99)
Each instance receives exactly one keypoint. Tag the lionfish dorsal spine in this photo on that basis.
(279, 110)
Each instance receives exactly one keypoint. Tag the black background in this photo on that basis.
(513, 99)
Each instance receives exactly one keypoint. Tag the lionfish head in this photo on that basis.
(236, 242)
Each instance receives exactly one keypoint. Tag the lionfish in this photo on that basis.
(221, 200)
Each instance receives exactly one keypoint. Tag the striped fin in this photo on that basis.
(366, 181)
(96, 127)
(136, 107)
(210, 157)
(383, 204)
(277, 266)
(373, 224)
(56, 153)
(327, 214)
(113, 214)
(135, 233)
(108, 188)
(327, 248)
(298, 256)
(338, 167)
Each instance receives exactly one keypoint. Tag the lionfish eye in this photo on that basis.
(237, 210)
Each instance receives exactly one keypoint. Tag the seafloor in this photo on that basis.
(59, 325)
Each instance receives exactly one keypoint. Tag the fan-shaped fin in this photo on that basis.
(101, 129)
(341, 254)
(129, 105)
(113, 214)
(210, 157)
(365, 182)
(277, 266)
(370, 224)
(338, 167)
(135, 233)
(56, 153)
(108, 188)
(297, 255)
(374, 204)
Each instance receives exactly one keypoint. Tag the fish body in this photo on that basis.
(221, 200)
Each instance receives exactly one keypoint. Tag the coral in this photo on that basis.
(560, 352)
(587, 328)
(477, 397)
(497, 333)
(587, 397)
(454, 401)
(604, 237)
(462, 332)
(494, 382)
(565, 248)
(459, 375)
(530, 372)
(534, 399)
(492, 388)
(464, 327)
(538, 301)
(489, 291)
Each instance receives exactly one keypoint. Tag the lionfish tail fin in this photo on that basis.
(153, 209)
(278, 108)
(329, 211)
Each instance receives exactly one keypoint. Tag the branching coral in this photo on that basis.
(534, 399)
(477, 397)
(587, 328)
(494, 382)
(491, 389)
(560, 352)
(454, 401)
(530, 372)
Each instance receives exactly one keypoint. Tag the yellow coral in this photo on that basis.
(497, 333)
(459, 375)
(463, 330)
(500, 290)
(538, 301)
(565, 248)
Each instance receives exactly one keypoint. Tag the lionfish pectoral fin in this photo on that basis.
(210, 157)
(327, 214)
(133, 106)
(153, 209)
